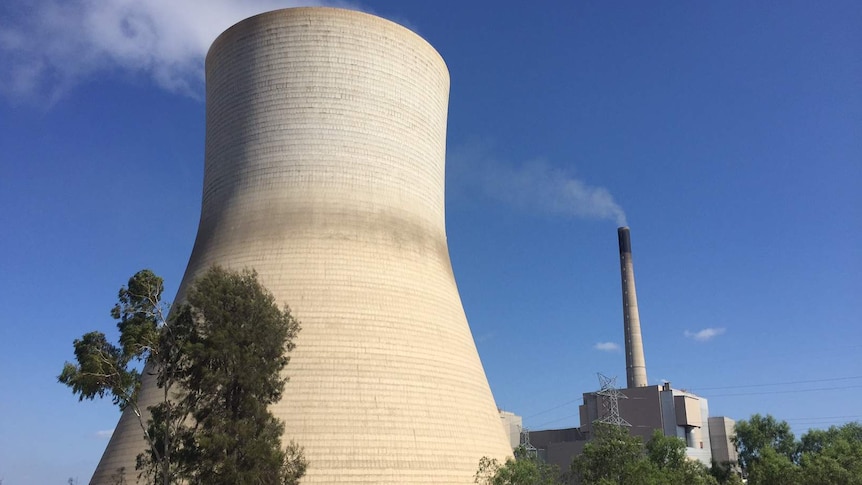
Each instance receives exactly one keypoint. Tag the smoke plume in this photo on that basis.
(534, 186)
(47, 47)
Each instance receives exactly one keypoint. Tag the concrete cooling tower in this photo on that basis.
(324, 171)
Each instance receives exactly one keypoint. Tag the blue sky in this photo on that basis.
(729, 134)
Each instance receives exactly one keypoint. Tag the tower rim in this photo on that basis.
(332, 10)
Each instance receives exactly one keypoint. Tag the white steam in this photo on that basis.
(534, 186)
(49, 46)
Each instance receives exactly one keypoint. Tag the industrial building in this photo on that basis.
(675, 412)
(324, 172)
(512, 425)
(720, 435)
(640, 407)
(645, 409)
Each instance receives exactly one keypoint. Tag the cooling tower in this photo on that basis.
(324, 172)
(635, 362)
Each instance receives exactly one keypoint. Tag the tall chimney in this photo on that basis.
(635, 363)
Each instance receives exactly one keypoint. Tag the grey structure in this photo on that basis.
(722, 430)
(674, 412)
(512, 426)
(324, 171)
(635, 362)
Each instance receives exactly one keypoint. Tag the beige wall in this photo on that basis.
(687, 410)
(721, 431)
(324, 172)
(512, 425)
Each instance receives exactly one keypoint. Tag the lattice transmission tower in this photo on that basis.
(610, 397)
(525, 442)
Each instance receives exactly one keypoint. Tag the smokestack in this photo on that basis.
(635, 363)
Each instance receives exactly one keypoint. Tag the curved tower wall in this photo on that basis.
(325, 150)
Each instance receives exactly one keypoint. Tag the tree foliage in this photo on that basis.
(666, 452)
(772, 468)
(832, 456)
(819, 457)
(613, 456)
(667, 455)
(759, 433)
(104, 369)
(218, 361)
(236, 351)
(524, 469)
(725, 473)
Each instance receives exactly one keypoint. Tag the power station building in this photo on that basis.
(324, 172)
(639, 406)
(674, 412)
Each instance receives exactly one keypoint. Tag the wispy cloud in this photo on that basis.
(607, 347)
(482, 338)
(534, 186)
(49, 46)
(705, 334)
(104, 434)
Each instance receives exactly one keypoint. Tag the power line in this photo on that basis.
(743, 386)
(810, 381)
(556, 420)
(821, 421)
(738, 386)
(831, 350)
(553, 408)
(798, 421)
(825, 418)
(792, 391)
